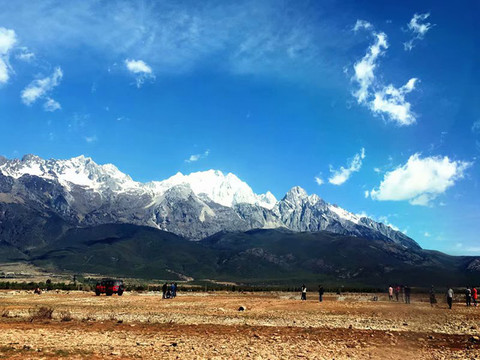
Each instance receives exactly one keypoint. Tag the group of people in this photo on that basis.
(397, 290)
(169, 291)
(321, 291)
(471, 295)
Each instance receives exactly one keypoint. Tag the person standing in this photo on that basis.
(164, 291)
(474, 295)
(390, 293)
(174, 289)
(450, 298)
(468, 296)
(304, 292)
(433, 299)
(407, 294)
(320, 293)
(397, 291)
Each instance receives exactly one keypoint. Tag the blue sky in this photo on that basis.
(378, 102)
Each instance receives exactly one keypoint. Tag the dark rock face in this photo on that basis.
(36, 193)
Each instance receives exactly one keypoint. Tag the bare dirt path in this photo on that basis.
(209, 326)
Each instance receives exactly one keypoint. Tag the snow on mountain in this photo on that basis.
(344, 214)
(227, 190)
(81, 171)
(195, 205)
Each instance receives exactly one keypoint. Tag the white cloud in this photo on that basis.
(40, 88)
(318, 180)
(381, 100)
(391, 101)
(25, 54)
(141, 70)
(364, 69)
(91, 139)
(418, 29)
(7, 41)
(343, 174)
(420, 180)
(476, 127)
(196, 157)
(427, 234)
(366, 193)
(362, 24)
(51, 105)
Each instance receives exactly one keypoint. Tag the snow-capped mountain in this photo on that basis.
(80, 192)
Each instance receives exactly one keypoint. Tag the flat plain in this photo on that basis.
(274, 325)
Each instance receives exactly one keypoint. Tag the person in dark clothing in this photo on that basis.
(433, 299)
(468, 296)
(304, 292)
(320, 293)
(174, 289)
(397, 292)
(164, 291)
(407, 291)
(450, 298)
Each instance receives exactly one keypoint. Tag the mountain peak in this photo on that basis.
(296, 194)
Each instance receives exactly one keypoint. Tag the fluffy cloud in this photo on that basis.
(196, 157)
(343, 174)
(420, 180)
(418, 29)
(7, 41)
(391, 102)
(141, 70)
(40, 88)
(387, 101)
(318, 180)
(364, 68)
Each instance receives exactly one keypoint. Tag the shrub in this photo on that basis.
(41, 313)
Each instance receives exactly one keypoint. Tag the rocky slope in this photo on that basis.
(62, 194)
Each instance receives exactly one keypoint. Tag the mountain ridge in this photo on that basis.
(195, 206)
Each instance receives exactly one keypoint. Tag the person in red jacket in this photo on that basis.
(474, 295)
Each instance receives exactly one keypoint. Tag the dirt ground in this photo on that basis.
(210, 326)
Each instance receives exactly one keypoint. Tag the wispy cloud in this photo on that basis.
(91, 139)
(420, 180)
(140, 69)
(364, 69)
(476, 127)
(391, 102)
(8, 39)
(318, 180)
(362, 24)
(196, 157)
(40, 88)
(341, 175)
(51, 105)
(418, 29)
(386, 101)
(245, 36)
(24, 54)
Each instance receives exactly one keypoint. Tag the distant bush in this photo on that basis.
(65, 315)
(41, 313)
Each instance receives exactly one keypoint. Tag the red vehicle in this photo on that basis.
(109, 287)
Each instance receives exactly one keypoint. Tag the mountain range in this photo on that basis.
(79, 216)
(78, 193)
